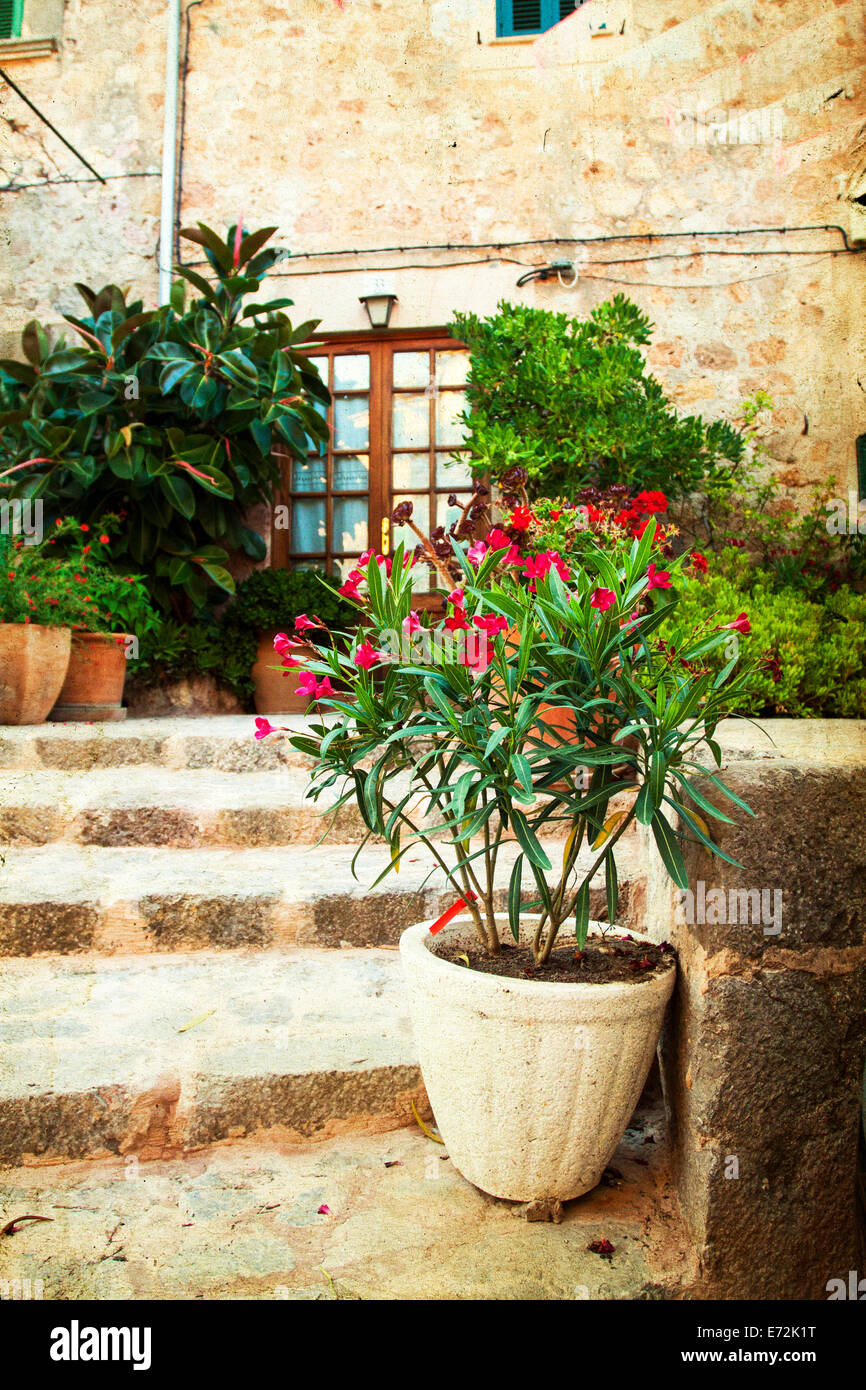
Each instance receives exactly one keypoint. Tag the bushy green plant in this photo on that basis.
(206, 647)
(63, 581)
(459, 730)
(274, 598)
(571, 400)
(168, 417)
(816, 650)
(743, 505)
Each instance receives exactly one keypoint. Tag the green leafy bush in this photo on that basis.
(274, 598)
(820, 646)
(225, 647)
(167, 418)
(62, 581)
(572, 401)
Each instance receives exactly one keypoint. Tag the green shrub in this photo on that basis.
(571, 400)
(167, 418)
(273, 598)
(820, 646)
(225, 647)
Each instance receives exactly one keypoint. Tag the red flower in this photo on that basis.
(366, 656)
(492, 624)
(457, 622)
(699, 562)
(103, 540)
(740, 624)
(554, 516)
(303, 623)
(658, 579)
(602, 599)
(313, 689)
(651, 502)
(84, 527)
(521, 519)
(497, 539)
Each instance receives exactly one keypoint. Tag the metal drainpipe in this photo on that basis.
(169, 152)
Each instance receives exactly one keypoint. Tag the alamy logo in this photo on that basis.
(736, 907)
(22, 518)
(854, 1289)
(76, 1343)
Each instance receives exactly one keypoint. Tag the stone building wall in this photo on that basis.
(381, 123)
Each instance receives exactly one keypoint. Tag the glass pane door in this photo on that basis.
(426, 463)
(329, 497)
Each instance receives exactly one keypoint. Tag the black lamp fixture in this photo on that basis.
(379, 308)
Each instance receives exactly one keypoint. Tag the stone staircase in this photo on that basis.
(181, 960)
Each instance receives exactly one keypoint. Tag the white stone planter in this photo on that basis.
(532, 1084)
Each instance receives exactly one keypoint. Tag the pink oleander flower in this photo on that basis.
(411, 624)
(350, 588)
(658, 579)
(283, 643)
(512, 556)
(263, 728)
(602, 599)
(475, 554)
(537, 566)
(313, 689)
(497, 539)
(303, 623)
(492, 624)
(366, 656)
(456, 597)
(740, 624)
(477, 658)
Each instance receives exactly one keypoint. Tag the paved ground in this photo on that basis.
(242, 1220)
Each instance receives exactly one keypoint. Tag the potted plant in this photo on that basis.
(276, 603)
(119, 614)
(38, 605)
(535, 1026)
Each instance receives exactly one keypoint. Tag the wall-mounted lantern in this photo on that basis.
(379, 308)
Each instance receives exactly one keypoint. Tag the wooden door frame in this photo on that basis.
(362, 341)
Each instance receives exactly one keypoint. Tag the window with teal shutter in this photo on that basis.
(10, 18)
(531, 16)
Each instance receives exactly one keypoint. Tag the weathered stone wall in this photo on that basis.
(764, 1048)
(384, 124)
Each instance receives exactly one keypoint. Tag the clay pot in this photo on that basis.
(274, 686)
(33, 662)
(93, 688)
(561, 721)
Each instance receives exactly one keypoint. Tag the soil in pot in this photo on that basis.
(93, 688)
(616, 958)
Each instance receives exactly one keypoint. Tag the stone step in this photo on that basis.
(184, 809)
(187, 808)
(64, 899)
(244, 1220)
(157, 1055)
(224, 743)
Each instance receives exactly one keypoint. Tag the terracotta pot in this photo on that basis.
(275, 687)
(554, 1070)
(562, 721)
(33, 662)
(93, 688)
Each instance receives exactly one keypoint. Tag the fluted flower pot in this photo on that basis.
(532, 1082)
(33, 662)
